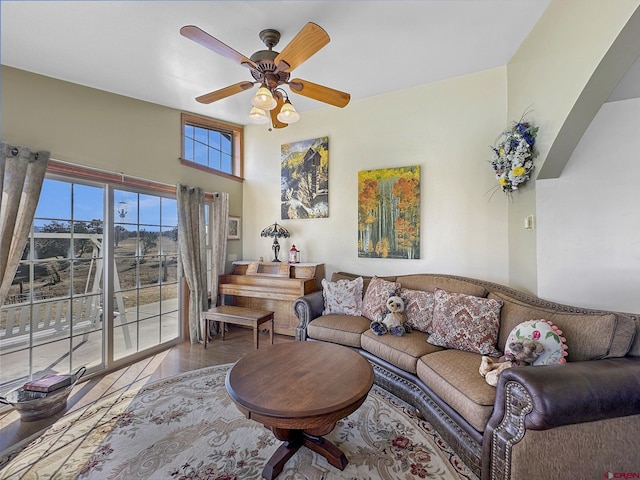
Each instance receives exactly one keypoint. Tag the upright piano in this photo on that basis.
(271, 286)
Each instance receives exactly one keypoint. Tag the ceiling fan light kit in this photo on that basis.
(257, 115)
(288, 114)
(271, 70)
(263, 99)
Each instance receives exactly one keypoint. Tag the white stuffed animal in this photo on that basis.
(395, 322)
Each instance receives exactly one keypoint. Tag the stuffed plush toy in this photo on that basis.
(395, 322)
(523, 352)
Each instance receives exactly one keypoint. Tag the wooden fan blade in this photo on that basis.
(203, 38)
(319, 92)
(274, 112)
(307, 42)
(224, 92)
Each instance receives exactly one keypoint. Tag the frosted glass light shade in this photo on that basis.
(257, 115)
(288, 114)
(263, 99)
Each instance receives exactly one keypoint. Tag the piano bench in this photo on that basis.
(247, 317)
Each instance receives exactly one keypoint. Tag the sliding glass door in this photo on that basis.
(55, 318)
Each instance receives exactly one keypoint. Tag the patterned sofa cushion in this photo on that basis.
(343, 296)
(374, 303)
(465, 322)
(335, 276)
(418, 308)
(590, 336)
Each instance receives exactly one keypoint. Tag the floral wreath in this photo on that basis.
(513, 157)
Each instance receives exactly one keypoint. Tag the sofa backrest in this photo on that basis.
(429, 282)
(590, 334)
(350, 276)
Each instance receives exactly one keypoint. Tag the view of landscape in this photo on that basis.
(53, 317)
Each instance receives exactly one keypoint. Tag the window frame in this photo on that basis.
(170, 321)
(210, 124)
(111, 181)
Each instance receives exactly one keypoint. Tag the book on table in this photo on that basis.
(48, 383)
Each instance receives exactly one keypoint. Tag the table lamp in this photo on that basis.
(276, 231)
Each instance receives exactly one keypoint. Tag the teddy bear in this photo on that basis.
(395, 322)
(522, 352)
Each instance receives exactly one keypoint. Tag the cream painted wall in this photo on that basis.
(588, 233)
(445, 127)
(98, 129)
(564, 71)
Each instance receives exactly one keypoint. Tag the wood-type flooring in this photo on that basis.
(181, 358)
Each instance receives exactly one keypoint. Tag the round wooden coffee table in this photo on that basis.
(300, 390)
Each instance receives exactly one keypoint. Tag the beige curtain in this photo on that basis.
(191, 238)
(219, 233)
(21, 176)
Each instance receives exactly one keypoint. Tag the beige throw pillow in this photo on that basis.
(343, 296)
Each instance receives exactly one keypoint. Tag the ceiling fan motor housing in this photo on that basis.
(266, 71)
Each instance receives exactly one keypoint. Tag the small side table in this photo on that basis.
(248, 317)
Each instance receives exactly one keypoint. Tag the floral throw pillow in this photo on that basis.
(418, 308)
(374, 304)
(545, 332)
(343, 296)
(465, 322)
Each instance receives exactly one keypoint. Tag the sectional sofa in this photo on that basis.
(578, 417)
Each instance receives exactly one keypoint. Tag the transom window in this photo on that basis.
(211, 145)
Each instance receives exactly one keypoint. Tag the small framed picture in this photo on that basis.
(234, 228)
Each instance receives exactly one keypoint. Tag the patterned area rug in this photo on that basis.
(186, 427)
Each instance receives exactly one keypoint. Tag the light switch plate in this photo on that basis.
(529, 222)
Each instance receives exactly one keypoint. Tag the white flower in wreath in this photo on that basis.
(512, 159)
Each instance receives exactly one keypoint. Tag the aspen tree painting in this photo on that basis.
(389, 213)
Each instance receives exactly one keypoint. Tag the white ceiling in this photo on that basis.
(134, 48)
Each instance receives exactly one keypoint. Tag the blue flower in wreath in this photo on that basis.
(512, 160)
(529, 139)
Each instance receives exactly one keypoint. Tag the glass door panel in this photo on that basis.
(54, 316)
(125, 340)
(146, 258)
(149, 332)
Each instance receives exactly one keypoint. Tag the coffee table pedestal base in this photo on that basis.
(330, 382)
(293, 440)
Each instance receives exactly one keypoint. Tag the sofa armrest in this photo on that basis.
(307, 308)
(543, 398)
(577, 392)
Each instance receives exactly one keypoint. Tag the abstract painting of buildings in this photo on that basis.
(304, 179)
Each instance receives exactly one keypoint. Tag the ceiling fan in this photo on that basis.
(271, 70)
